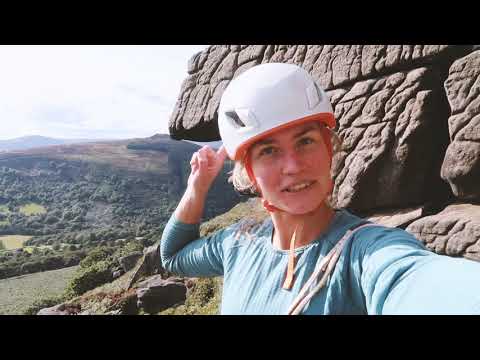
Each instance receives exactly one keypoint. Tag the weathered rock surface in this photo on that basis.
(156, 294)
(150, 264)
(400, 218)
(128, 262)
(127, 304)
(461, 167)
(61, 309)
(210, 71)
(455, 231)
(389, 102)
(390, 157)
(408, 116)
(153, 263)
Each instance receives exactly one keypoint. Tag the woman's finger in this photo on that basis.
(208, 152)
(221, 153)
(202, 155)
(204, 149)
(194, 158)
(202, 160)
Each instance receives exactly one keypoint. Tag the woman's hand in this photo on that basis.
(205, 165)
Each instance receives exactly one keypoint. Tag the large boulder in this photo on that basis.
(153, 262)
(461, 167)
(129, 261)
(195, 113)
(156, 294)
(390, 156)
(455, 231)
(408, 117)
(389, 103)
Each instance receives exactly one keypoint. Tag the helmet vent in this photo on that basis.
(233, 116)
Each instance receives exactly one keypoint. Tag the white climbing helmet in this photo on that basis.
(266, 98)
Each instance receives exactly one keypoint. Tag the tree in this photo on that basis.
(51, 219)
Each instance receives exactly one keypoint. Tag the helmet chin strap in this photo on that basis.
(269, 207)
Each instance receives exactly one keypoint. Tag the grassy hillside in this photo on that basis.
(94, 194)
(32, 209)
(203, 299)
(18, 293)
(13, 241)
(98, 191)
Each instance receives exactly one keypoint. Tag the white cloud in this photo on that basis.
(90, 91)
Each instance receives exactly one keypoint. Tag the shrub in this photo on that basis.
(128, 248)
(204, 299)
(96, 255)
(30, 267)
(202, 293)
(89, 278)
(43, 303)
(51, 219)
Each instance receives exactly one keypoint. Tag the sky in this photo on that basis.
(90, 91)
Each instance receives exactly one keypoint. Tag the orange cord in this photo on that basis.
(290, 278)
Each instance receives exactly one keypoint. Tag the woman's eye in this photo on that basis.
(306, 141)
(267, 151)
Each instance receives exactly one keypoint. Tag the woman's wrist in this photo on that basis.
(196, 193)
(190, 208)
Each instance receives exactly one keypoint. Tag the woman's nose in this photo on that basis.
(292, 163)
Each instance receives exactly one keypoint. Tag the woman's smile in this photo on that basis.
(299, 186)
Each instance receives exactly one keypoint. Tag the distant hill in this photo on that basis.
(96, 193)
(212, 144)
(158, 139)
(35, 141)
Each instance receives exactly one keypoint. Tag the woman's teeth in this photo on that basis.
(300, 186)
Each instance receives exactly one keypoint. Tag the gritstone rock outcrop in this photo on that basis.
(408, 116)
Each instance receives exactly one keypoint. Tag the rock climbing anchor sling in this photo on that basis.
(321, 272)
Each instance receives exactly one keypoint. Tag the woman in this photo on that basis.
(306, 258)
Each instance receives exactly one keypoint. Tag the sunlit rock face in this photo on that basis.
(407, 116)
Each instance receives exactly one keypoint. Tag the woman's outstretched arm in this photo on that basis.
(182, 251)
(400, 276)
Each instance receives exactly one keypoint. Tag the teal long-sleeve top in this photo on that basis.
(381, 270)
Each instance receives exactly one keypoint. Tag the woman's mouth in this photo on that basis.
(299, 186)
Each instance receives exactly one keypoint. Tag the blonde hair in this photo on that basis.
(242, 183)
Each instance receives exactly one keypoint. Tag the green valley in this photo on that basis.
(63, 201)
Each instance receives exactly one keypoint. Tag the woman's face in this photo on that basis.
(292, 168)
